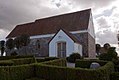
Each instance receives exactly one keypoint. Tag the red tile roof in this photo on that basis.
(68, 34)
(71, 22)
(72, 36)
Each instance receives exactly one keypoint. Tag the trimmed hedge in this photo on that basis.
(13, 57)
(114, 76)
(40, 60)
(103, 73)
(6, 63)
(82, 74)
(50, 72)
(87, 63)
(46, 59)
(16, 72)
(55, 70)
(19, 61)
(22, 61)
(34, 79)
(58, 62)
(50, 58)
(116, 68)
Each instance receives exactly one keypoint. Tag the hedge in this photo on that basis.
(116, 68)
(19, 61)
(50, 58)
(114, 76)
(20, 72)
(46, 59)
(40, 60)
(6, 63)
(103, 73)
(50, 72)
(58, 62)
(34, 79)
(22, 61)
(55, 70)
(14, 57)
(82, 74)
(87, 63)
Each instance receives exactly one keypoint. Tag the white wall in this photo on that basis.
(78, 48)
(91, 27)
(64, 37)
(41, 36)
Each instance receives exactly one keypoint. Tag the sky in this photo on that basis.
(105, 15)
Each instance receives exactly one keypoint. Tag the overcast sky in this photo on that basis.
(105, 14)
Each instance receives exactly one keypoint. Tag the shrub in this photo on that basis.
(82, 74)
(58, 62)
(40, 60)
(110, 55)
(6, 63)
(34, 79)
(87, 63)
(103, 73)
(72, 58)
(22, 61)
(19, 61)
(116, 68)
(53, 70)
(4, 73)
(49, 72)
(14, 57)
(14, 54)
(21, 72)
(46, 59)
(50, 58)
(16, 72)
(114, 76)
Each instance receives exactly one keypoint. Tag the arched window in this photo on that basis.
(38, 44)
(61, 49)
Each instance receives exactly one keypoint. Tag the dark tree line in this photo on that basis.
(106, 46)
(17, 43)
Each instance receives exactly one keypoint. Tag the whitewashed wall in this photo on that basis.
(91, 30)
(78, 48)
(63, 37)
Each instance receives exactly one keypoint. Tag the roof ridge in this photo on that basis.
(70, 21)
(71, 36)
(63, 14)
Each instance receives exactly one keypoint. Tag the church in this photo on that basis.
(61, 35)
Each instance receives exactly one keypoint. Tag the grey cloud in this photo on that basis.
(15, 12)
(92, 3)
(107, 12)
(103, 22)
(106, 36)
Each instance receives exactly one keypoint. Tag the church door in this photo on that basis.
(61, 49)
